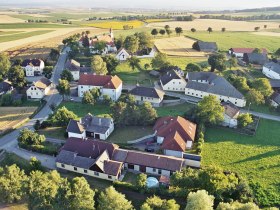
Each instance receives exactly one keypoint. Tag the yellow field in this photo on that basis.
(9, 19)
(10, 117)
(216, 25)
(157, 20)
(118, 25)
(178, 46)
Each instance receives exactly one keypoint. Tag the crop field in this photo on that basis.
(216, 25)
(228, 40)
(256, 158)
(178, 46)
(13, 37)
(157, 20)
(116, 24)
(10, 117)
(9, 19)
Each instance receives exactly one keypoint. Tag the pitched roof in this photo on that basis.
(96, 124)
(207, 46)
(175, 142)
(273, 67)
(147, 92)
(5, 86)
(105, 81)
(42, 83)
(255, 58)
(72, 65)
(216, 84)
(246, 50)
(231, 110)
(166, 125)
(275, 83)
(169, 76)
(75, 126)
(32, 62)
(275, 97)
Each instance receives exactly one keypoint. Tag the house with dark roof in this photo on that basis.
(5, 87)
(239, 52)
(175, 135)
(271, 70)
(148, 94)
(205, 46)
(255, 58)
(275, 99)
(91, 126)
(107, 84)
(33, 67)
(231, 114)
(105, 160)
(173, 81)
(200, 84)
(76, 69)
(39, 89)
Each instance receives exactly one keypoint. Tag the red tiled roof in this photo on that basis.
(166, 125)
(106, 81)
(174, 142)
(246, 50)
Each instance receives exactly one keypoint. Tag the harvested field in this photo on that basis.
(17, 36)
(216, 25)
(178, 46)
(116, 24)
(267, 34)
(10, 117)
(9, 19)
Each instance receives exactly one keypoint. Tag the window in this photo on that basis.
(154, 170)
(62, 165)
(109, 177)
(75, 169)
(159, 171)
(82, 87)
(130, 166)
(85, 171)
(96, 173)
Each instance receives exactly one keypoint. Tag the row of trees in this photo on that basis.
(167, 31)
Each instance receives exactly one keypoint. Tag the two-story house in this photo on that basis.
(271, 70)
(173, 81)
(39, 89)
(33, 67)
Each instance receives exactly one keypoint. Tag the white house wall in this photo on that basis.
(35, 93)
(270, 74)
(76, 75)
(77, 135)
(173, 153)
(176, 85)
(154, 101)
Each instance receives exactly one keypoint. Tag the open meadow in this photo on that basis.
(216, 25)
(10, 117)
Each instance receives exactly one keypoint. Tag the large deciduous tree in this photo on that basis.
(17, 77)
(217, 61)
(29, 137)
(263, 85)
(148, 113)
(131, 44)
(154, 32)
(98, 66)
(209, 110)
(178, 30)
(193, 67)
(134, 62)
(63, 88)
(244, 120)
(160, 61)
(255, 97)
(111, 63)
(66, 75)
(156, 202)
(62, 117)
(145, 40)
(200, 200)
(4, 65)
(99, 46)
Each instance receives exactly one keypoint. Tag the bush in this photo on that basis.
(45, 124)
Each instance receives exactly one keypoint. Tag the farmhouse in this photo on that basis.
(76, 69)
(122, 55)
(173, 81)
(175, 134)
(39, 89)
(148, 94)
(106, 161)
(5, 87)
(255, 58)
(205, 46)
(33, 67)
(91, 126)
(271, 70)
(107, 84)
(231, 114)
(239, 52)
(202, 84)
(275, 99)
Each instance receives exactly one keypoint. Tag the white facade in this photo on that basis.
(77, 135)
(160, 139)
(200, 94)
(86, 172)
(230, 122)
(122, 55)
(30, 70)
(76, 75)
(274, 104)
(36, 93)
(152, 54)
(270, 73)
(114, 94)
(154, 101)
(149, 170)
(176, 85)
(238, 55)
(104, 136)
(173, 153)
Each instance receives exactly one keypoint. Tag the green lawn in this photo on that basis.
(53, 132)
(182, 62)
(256, 158)
(180, 109)
(122, 135)
(22, 35)
(228, 40)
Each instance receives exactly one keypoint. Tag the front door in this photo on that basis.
(143, 169)
(97, 136)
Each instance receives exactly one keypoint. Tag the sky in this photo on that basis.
(152, 4)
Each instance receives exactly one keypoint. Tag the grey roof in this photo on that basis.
(96, 124)
(273, 67)
(275, 83)
(275, 97)
(255, 58)
(5, 86)
(147, 92)
(207, 46)
(71, 158)
(72, 65)
(170, 76)
(85, 69)
(154, 73)
(75, 126)
(216, 84)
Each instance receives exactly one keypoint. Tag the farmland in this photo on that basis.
(10, 117)
(255, 158)
(216, 25)
(13, 37)
(238, 39)
(116, 24)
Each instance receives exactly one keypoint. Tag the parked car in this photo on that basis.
(149, 149)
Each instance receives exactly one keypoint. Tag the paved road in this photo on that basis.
(262, 115)
(9, 141)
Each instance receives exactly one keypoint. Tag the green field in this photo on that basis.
(228, 40)
(33, 25)
(3, 33)
(22, 35)
(116, 24)
(176, 110)
(256, 158)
